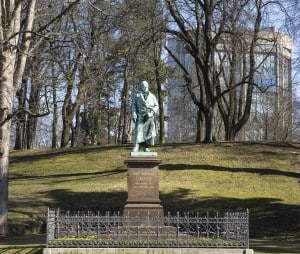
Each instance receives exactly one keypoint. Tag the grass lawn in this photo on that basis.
(193, 177)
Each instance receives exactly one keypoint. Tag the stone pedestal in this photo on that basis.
(143, 191)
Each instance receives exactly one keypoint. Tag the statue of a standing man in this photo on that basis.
(143, 110)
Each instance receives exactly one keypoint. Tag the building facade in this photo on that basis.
(271, 110)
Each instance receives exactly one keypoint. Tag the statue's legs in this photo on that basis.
(143, 144)
(135, 148)
(146, 144)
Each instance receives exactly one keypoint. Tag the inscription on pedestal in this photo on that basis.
(143, 183)
(143, 190)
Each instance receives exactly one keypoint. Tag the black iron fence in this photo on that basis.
(230, 230)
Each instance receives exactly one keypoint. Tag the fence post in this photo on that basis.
(50, 225)
(247, 227)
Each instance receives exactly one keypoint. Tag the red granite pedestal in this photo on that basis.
(143, 189)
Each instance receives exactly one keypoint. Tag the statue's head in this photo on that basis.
(144, 86)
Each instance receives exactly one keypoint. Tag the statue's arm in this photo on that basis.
(155, 105)
(152, 106)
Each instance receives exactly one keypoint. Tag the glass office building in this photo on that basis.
(271, 110)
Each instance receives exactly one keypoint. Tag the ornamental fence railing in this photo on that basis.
(87, 229)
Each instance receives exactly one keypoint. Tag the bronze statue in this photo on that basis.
(143, 110)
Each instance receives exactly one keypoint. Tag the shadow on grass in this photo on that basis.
(50, 153)
(33, 211)
(93, 201)
(289, 245)
(268, 217)
(82, 175)
(261, 171)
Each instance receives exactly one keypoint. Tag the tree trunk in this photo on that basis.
(229, 132)
(55, 116)
(65, 135)
(96, 130)
(20, 129)
(4, 153)
(11, 72)
(67, 115)
(21, 117)
(31, 131)
(160, 101)
(34, 103)
(209, 117)
(7, 93)
(123, 120)
(108, 120)
(161, 115)
(200, 126)
(76, 130)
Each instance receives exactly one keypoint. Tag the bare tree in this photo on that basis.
(222, 41)
(145, 42)
(199, 25)
(30, 104)
(87, 69)
(236, 96)
(16, 34)
(135, 52)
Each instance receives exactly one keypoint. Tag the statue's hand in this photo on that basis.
(150, 113)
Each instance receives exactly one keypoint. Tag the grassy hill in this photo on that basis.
(263, 178)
